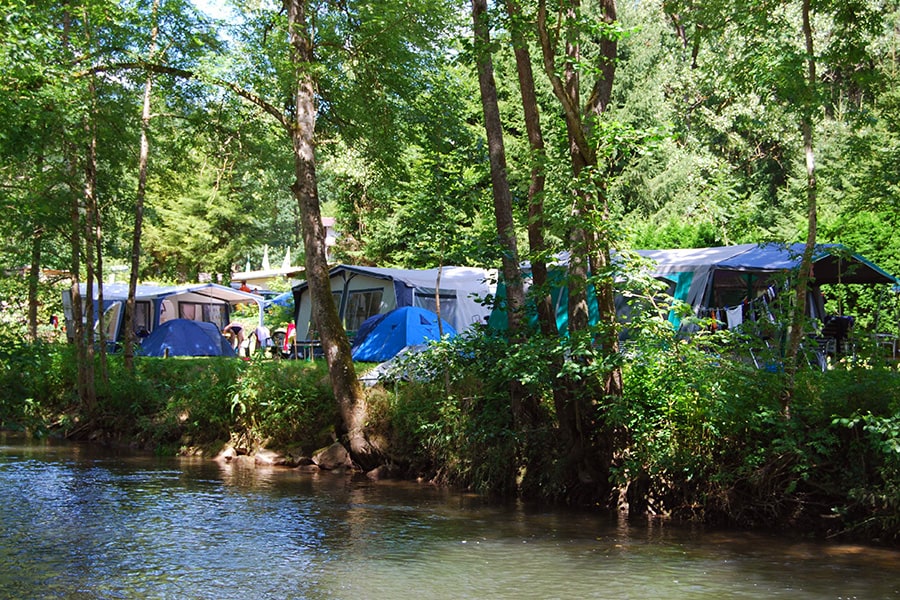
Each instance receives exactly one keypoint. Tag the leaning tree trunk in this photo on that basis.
(536, 242)
(522, 406)
(515, 294)
(348, 392)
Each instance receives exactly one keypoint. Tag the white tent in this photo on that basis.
(362, 292)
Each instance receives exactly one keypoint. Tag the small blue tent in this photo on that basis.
(184, 337)
(382, 337)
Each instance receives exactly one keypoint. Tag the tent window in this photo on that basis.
(361, 304)
(141, 315)
(110, 320)
(425, 299)
(190, 310)
(211, 313)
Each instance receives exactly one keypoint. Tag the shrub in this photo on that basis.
(451, 421)
(286, 404)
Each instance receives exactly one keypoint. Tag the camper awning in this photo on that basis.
(192, 292)
(832, 263)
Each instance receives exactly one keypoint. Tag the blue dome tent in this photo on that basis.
(184, 337)
(383, 336)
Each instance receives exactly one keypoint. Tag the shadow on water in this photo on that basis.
(86, 522)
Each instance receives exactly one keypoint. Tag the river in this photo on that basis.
(80, 522)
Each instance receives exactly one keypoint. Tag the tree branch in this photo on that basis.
(570, 108)
(247, 95)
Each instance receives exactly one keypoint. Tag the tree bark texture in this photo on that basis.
(348, 392)
(515, 294)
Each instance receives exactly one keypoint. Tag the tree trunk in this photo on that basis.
(536, 243)
(348, 392)
(521, 406)
(144, 161)
(798, 312)
(84, 357)
(589, 438)
(88, 190)
(515, 294)
(84, 361)
(34, 275)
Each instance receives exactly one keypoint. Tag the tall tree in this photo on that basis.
(564, 29)
(335, 344)
(506, 230)
(323, 43)
(807, 117)
(143, 165)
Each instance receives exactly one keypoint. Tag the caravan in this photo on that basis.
(154, 305)
(456, 293)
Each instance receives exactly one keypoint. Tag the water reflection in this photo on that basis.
(79, 522)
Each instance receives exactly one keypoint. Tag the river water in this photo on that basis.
(81, 522)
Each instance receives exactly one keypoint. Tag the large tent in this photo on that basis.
(362, 292)
(156, 304)
(718, 279)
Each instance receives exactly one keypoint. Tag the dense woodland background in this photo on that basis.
(704, 143)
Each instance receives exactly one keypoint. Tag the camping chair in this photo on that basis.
(835, 333)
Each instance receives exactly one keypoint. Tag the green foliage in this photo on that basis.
(709, 430)
(170, 405)
(35, 379)
(188, 405)
(286, 404)
(697, 420)
(452, 422)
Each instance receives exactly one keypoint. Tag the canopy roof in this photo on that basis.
(832, 263)
(451, 278)
(190, 292)
(723, 276)
(197, 292)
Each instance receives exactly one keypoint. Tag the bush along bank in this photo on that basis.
(700, 433)
(171, 406)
